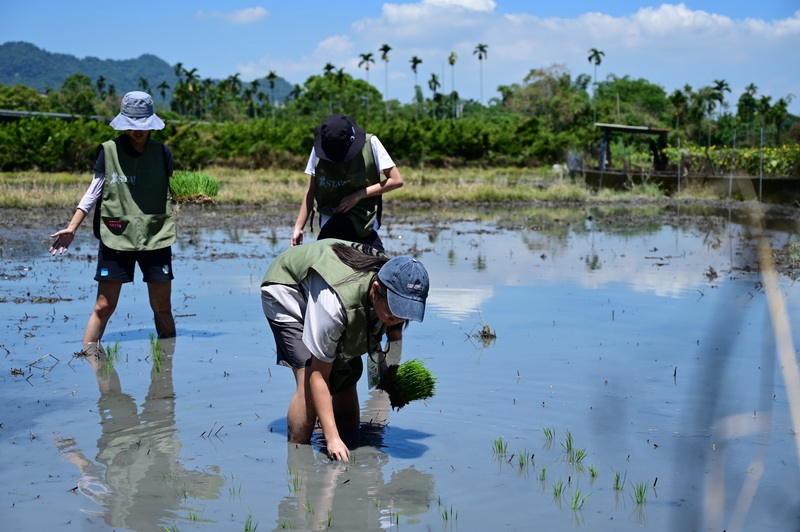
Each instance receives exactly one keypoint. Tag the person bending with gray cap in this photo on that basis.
(346, 166)
(133, 219)
(328, 303)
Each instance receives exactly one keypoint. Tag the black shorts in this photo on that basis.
(113, 265)
(340, 226)
(293, 353)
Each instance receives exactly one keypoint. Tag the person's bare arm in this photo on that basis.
(394, 180)
(65, 237)
(303, 214)
(323, 404)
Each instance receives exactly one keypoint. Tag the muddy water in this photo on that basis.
(639, 338)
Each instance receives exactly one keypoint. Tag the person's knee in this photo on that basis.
(104, 308)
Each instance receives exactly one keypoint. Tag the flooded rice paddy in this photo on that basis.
(585, 358)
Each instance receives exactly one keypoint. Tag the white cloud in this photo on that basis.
(241, 16)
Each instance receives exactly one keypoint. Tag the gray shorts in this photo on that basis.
(293, 353)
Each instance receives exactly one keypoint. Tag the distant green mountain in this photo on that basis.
(26, 64)
(22, 62)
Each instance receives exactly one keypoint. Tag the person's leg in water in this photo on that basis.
(104, 306)
(301, 416)
(161, 303)
(156, 269)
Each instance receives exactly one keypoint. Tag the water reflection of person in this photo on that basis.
(137, 476)
(328, 303)
(350, 496)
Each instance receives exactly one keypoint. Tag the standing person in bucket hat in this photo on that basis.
(133, 219)
(345, 168)
(328, 303)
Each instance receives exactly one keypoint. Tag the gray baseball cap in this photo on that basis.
(137, 112)
(407, 282)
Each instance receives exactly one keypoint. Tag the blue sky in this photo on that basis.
(670, 44)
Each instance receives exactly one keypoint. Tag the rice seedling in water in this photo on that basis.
(449, 513)
(593, 472)
(249, 526)
(578, 500)
(640, 492)
(558, 488)
(155, 353)
(567, 444)
(407, 382)
(330, 518)
(308, 507)
(543, 474)
(549, 433)
(112, 355)
(522, 458)
(619, 480)
(295, 483)
(577, 455)
(500, 446)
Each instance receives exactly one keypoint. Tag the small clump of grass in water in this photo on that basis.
(578, 500)
(640, 492)
(549, 433)
(500, 446)
(567, 444)
(593, 472)
(155, 352)
(558, 488)
(410, 381)
(619, 480)
(112, 355)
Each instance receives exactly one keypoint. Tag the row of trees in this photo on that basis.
(548, 113)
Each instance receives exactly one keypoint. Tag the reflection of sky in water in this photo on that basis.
(669, 262)
(466, 264)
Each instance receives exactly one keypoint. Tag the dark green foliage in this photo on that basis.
(24, 63)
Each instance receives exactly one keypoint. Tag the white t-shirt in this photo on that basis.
(379, 153)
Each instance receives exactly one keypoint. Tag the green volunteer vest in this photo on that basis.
(352, 288)
(333, 181)
(135, 213)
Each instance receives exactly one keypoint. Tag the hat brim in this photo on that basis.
(125, 123)
(337, 156)
(405, 308)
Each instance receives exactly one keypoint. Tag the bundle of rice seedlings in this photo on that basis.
(407, 382)
(193, 187)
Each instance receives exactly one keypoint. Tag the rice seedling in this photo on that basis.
(249, 526)
(640, 492)
(407, 382)
(285, 525)
(543, 474)
(500, 446)
(308, 507)
(155, 352)
(578, 500)
(295, 483)
(567, 444)
(522, 459)
(449, 513)
(576, 456)
(593, 472)
(112, 355)
(619, 480)
(173, 528)
(330, 518)
(193, 187)
(549, 433)
(558, 488)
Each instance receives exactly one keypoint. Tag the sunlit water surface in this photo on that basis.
(647, 350)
